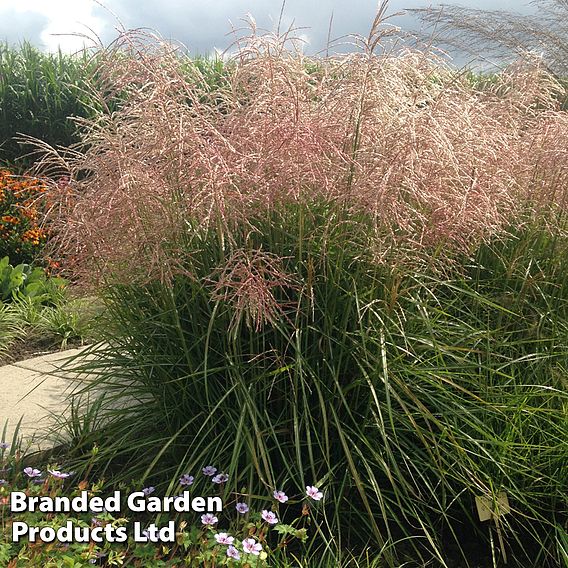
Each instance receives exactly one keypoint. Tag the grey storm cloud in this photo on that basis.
(203, 26)
(15, 27)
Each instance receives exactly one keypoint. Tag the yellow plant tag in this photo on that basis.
(489, 507)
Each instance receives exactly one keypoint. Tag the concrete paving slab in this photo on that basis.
(30, 390)
(49, 363)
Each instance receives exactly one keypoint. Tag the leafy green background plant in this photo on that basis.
(25, 281)
(39, 93)
(37, 309)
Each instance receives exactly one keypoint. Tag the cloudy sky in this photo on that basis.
(202, 26)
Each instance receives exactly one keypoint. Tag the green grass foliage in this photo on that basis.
(39, 92)
(42, 93)
(404, 394)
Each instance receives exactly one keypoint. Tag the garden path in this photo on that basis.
(30, 390)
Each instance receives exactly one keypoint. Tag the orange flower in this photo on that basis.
(10, 219)
(33, 236)
(53, 264)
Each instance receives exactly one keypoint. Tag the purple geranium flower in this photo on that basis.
(4, 445)
(232, 552)
(32, 472)
(98, 556)
(220, 478)
(148, 490)
(209, 470)
(3, 482)
(242, 508)
(224, 538)
(313, 492)
(58, 474)
(269, 517)
(186, 479)
(209, 519)
(251, 547)
(280, 496)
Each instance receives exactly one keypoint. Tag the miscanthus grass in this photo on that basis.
(346, 272)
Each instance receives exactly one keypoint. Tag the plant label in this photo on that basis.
(489, 507)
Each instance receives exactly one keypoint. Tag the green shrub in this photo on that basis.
(36, 308)
(42, 93)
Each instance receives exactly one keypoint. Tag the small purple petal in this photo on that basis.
(224, 538)
(220, 478)
(242, 508)
(269, 517)
(251, 547)
(313, 492)
(32, 472)
(58, 474)
(209, 519)
(186, 480)
(280, 496)
(232, 552)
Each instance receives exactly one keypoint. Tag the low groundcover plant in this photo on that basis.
(52, 538)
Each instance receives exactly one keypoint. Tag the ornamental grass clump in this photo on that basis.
(435, 164)
(345, 272)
